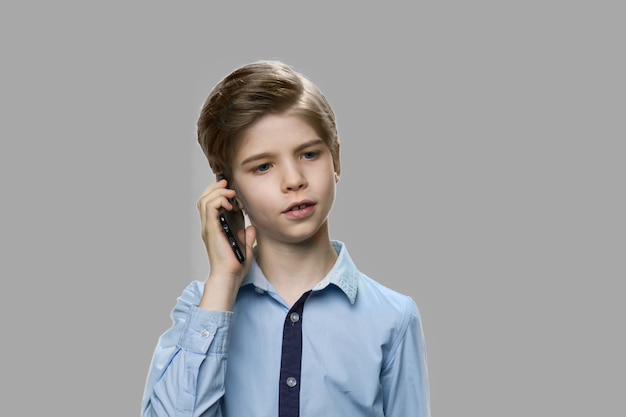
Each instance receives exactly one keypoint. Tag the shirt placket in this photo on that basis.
(291, 361)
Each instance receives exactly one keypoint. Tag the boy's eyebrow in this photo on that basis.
(264, 155)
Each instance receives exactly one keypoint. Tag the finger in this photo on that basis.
(201, 203)
(213, 191)
(208, 191)
(214, 197)
(250, 237)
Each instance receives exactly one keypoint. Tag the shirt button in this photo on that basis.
(259, 290)
(291, 382)
(205, 333)
(294, 317)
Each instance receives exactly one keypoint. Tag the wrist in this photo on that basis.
(219, 293)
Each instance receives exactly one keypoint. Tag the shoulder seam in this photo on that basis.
(406, 319)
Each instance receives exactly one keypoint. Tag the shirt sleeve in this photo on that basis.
(186, 376)
(405, 375)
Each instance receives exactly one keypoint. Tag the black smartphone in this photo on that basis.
(232, 222)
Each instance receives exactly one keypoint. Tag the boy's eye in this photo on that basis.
(262, 167)
(310, 155)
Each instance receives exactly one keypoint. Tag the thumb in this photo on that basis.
(250, 239)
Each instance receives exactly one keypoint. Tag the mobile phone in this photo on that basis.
(232, 222)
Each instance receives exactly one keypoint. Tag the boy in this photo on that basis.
(296, 329)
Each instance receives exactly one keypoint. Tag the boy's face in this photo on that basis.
(283, 173)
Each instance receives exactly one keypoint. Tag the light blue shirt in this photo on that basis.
(362, 352)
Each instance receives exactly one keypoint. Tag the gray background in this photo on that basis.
(483, 174)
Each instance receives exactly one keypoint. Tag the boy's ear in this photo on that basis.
(239, 204)
(337, 161)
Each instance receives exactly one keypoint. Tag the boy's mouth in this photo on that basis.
(299, 206)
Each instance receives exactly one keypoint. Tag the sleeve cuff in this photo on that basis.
(206, 331)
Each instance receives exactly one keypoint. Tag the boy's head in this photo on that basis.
(251, 92)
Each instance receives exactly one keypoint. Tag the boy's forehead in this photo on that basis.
(278, 123)
(275, 132)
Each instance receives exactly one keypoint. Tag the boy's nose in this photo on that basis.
(293, 180)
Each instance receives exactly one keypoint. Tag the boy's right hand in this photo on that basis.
(226, 273)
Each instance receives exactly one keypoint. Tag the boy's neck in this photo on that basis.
(293, 269)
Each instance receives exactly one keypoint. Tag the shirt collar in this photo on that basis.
(343, 274)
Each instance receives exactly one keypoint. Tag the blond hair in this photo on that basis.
(251, 92)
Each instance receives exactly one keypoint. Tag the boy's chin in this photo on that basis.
(313, 236)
